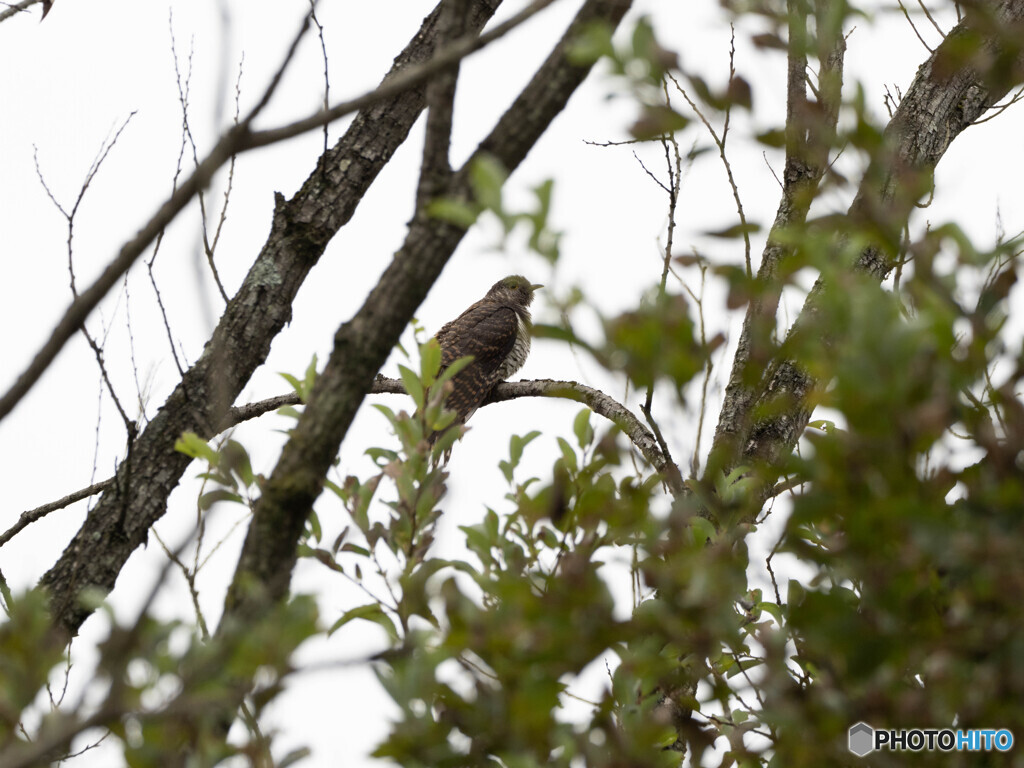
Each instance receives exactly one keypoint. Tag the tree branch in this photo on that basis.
(21, 7)
(810, 132)
(946, 96)
(241, 138)
(362, 344)
(300, 230)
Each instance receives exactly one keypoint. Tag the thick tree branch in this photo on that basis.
(300, 231)
(362, 345)
(810, 130)
(947, 95)
(436, 170)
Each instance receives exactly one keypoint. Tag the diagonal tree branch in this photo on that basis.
(362, 344)
(300, 231)
(242, 138)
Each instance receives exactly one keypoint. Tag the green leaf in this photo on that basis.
(453, 369)
(413, 385)
(517, 443)
(210, 498)
(193, 445)
(775, 138)
(310, 378)
(736, 230)
(457, 212)
(304, 386)
(294, 757)
(388, 414)
(487, 176)
(293, 381)
(773, 609)
(314, 526)
(582, 429)
(289, 410)
(594, 42)
(656, 121)
(703, 530)
(568, 455)
(381, 456)
(370, 612)
(234, 458)
(446, 440)
(430, 361)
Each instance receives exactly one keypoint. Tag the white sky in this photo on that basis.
(71, 81)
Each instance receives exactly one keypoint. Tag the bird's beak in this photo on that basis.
(535, 287)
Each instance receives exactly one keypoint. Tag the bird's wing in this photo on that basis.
(488, 332)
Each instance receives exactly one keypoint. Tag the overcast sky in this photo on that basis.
(90, 69)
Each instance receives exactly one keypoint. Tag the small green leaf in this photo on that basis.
(314, 526)
(594, 42)
(445, 441)
(210, 498)
(294, 382)
(517, 443)
(703, 530)
(453, 369)
(568, 455)
(487, 176)
(795, 593)
(193, 445)
(289, 410)
(582, 429)
(234, 458)
(413, 385)
(457, 212)
(735, 231)
(773, 609)
(388, 413)
(656, 121)
(775, 138)
(381, 456)
(430, 361)
(310, 378)
(370, 612)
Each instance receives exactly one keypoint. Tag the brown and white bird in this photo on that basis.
(496, 332)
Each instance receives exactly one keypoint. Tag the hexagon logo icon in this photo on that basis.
(861, 739)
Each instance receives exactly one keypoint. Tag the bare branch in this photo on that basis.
(240, 138)
(30, 516)
(393, 85)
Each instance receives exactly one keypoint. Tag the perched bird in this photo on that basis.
(496, 332)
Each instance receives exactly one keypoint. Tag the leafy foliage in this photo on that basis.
(599, 620)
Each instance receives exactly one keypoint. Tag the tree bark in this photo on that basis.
(947, 95)
(300, 230)
(362, 344)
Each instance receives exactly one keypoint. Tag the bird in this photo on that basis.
(496, 332)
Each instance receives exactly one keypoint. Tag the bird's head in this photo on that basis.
(515, 289)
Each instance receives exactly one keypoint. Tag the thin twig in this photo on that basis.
(913, 26)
